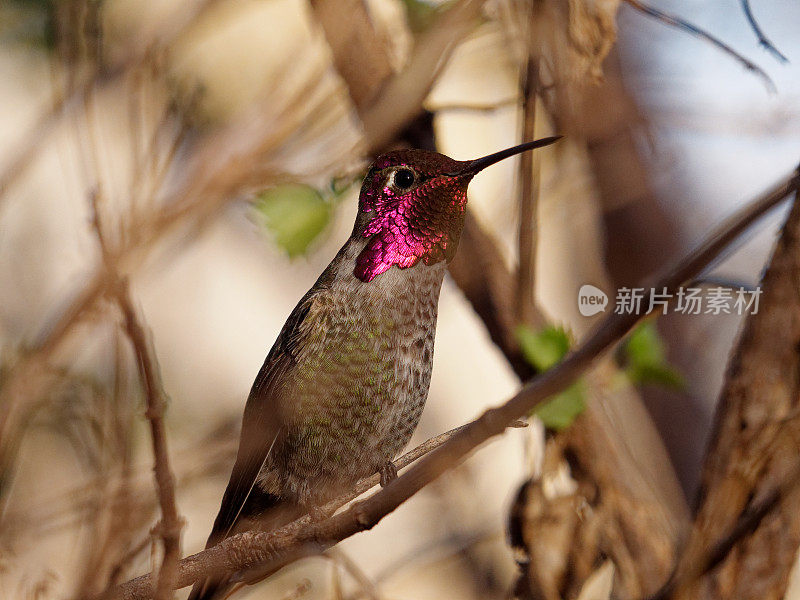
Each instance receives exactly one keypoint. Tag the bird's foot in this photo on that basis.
(388, 473)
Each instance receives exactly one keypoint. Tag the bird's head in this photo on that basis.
(412, 207)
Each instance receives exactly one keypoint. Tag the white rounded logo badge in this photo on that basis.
(591, 300)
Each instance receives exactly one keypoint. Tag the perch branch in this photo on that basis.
(273, 549)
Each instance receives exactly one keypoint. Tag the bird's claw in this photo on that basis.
(388, 473)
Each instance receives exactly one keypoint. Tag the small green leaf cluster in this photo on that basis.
(644, 359)
(544, 349)
(296, 214)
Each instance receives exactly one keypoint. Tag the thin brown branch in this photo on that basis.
(244, 551)
(704, 35)
(171, 523)
(528, 201)
(368, 587)
(762, 39)
(478, 107)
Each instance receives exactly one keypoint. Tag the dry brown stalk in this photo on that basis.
(529, 170)
(171, 523)
(270, 550)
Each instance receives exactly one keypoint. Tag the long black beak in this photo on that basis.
(471, 167)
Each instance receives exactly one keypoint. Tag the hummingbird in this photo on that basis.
(344, 385)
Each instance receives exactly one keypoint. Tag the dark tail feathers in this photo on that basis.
(261, 511)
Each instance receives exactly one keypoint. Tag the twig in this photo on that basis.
(171, 523)
(762, 39)
(475, 106)
(367, 586)
(276, 548)
(704, 35)
(528, 201)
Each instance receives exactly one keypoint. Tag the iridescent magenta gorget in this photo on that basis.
(420, 222)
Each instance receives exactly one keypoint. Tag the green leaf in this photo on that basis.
(295, 215)
(645, 346)
(544, 348)
(561, 410)
(646, 359)
(663, 375)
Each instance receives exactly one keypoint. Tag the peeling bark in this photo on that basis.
(754, 445)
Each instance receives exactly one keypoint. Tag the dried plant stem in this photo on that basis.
(528, 201)
(368, 587)
(272, 549)
(171, 524)
(704, 35)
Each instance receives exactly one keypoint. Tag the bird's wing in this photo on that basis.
(261, 427)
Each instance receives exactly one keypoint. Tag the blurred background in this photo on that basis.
(219, 147)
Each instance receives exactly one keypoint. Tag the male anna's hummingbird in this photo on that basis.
(344, 385)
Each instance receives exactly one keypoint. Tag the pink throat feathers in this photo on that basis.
(422, 223)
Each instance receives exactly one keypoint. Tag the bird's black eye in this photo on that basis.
(404, 178)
